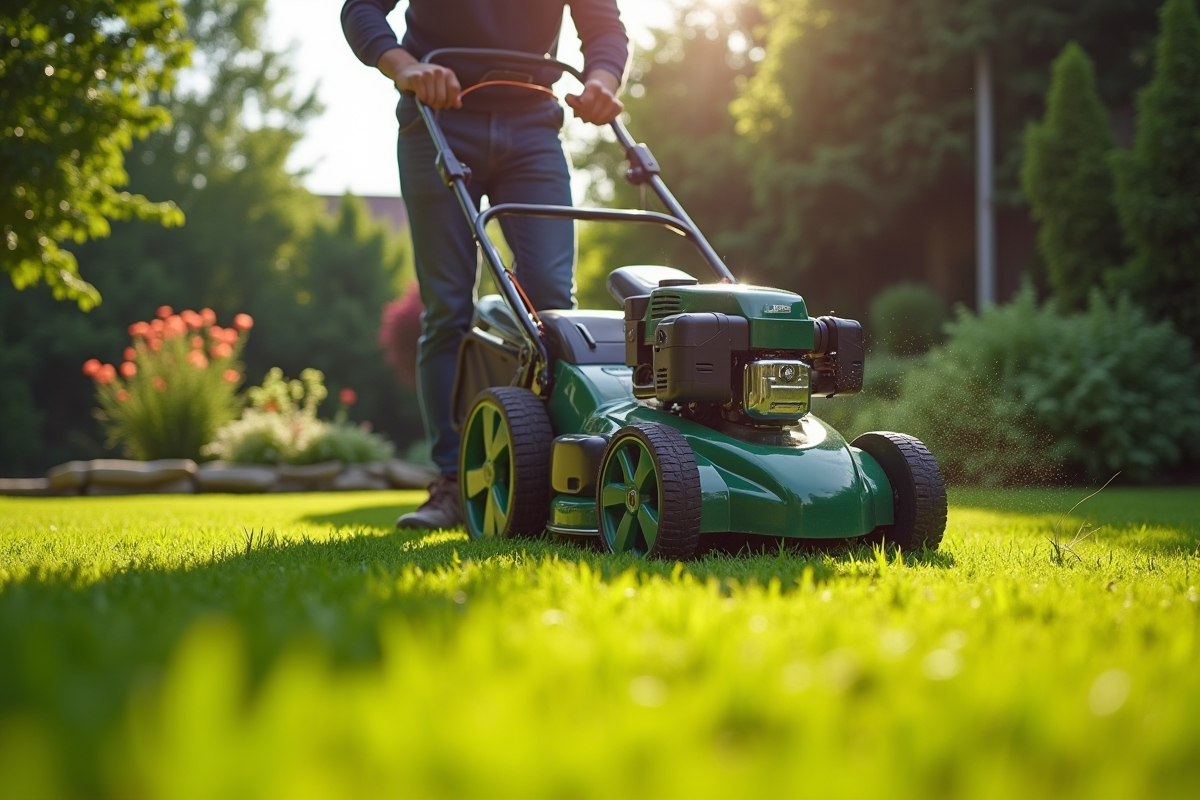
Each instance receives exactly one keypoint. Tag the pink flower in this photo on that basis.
(91, 367)
(348, 397)
(232, 375)
(122, 395)
(221, 350)
(159, 383)
(191, 319)
(130, 354)
(197, 342)
(139, 329)
(208, 316)
(196, 359)
(106, 374)
(243, 322)
(128, 369)
(164, 312)
(174, 326)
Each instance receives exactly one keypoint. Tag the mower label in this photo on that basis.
(777, 309)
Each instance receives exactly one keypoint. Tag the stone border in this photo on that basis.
(112, 476)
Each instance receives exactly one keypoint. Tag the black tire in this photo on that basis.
(918, 493)
(517, 472)
(673, 502)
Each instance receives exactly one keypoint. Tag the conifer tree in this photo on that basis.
(1158, 180)
(1066, 178)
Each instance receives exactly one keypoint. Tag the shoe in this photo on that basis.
(443, 509)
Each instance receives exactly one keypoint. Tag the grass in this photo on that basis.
(296, 646)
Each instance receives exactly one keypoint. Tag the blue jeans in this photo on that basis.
(515, 157)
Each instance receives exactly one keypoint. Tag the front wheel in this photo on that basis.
(918, 493)
(504, 464)
(648, 495)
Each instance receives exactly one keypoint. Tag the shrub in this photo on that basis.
(907, 318)
(176, 387)
(400, 332)
(1021, 394)
(281, 427)
(1158, 181)
(1067, 180)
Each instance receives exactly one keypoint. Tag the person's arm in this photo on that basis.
(374, 42)
(605, 53)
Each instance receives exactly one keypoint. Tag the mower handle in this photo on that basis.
(643, 171)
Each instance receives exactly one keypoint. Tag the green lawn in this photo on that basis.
(296, 646)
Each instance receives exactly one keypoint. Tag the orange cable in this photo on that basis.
(535, 87)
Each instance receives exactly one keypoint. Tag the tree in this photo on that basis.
(1158, 180)
(861, 121)
(1068, 182)
(678, 101)
(79, 85)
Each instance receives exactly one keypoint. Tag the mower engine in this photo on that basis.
(740, 354)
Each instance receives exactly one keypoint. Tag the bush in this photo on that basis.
(1021, 394)
(176, 387)
(907, 318)
(281, 427)
(400, 333)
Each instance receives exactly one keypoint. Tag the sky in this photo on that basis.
(351, 146)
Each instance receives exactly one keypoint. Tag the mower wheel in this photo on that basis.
(648, 494)
(918, 492)
(504, 464)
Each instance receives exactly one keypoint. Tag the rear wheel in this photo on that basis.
(648, 494)
(504, 464)
(918, 493)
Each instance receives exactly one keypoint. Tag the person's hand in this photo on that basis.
(597, 103)
(434, 85)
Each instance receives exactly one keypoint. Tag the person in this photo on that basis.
(509, 137)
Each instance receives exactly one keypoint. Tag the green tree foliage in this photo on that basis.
(252, 243)
(79, 82)
(1158, 181)
(1068, 182)
(861, 117)
(678, 97)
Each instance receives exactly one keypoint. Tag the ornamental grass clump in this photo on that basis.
(281, 426)
(176, 386)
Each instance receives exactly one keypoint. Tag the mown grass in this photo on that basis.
(297, 646)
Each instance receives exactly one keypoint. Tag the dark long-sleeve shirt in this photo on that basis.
(530, 26)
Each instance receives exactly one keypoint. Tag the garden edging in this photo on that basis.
(112, 476)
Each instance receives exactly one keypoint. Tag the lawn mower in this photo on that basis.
(686, 416)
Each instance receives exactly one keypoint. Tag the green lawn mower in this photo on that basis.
(685, 418)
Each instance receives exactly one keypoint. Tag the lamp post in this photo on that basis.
(985, 222)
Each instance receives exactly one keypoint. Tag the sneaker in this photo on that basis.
(443, 509)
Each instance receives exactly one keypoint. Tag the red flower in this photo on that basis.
(221, 350)
(243, 322)
(208, 316)
(139, 329)
(154, 344)
(128, 369)
(91, 367)
(164, 312)
(106, 374)
(197, 342)
(159, 383)
(122, 395)
(174, 326)
(156, 325)
(196, 359)
(191, 319)
(271, 406)
(130, 354)
(348, 397)
(232, 375)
